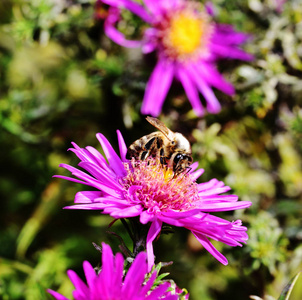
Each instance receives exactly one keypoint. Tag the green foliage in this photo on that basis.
(63, 80)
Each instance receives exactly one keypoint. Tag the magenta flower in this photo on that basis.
(187, 42)
(111, 284)
(126, 189)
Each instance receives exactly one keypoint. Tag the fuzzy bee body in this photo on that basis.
(171, 148)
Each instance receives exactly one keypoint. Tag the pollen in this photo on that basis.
(156, 187)
(186, 33)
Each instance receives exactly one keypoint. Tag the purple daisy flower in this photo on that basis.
(188, 44)
(110, 283)
(150, 191)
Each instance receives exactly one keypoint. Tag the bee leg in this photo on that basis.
(188, 170)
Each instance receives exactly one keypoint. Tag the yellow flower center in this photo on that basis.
(185, 33)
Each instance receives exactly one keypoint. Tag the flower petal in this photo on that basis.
(113, 159)
(209, 247)
(56, 295)
(134, 7)
(80, 286)
(135, 276)
(191, 90)
(213, 106)
(210, 206)
(212, 76)
(89, 274)
(157, 88)
(225, 51)
(87, 196)
(114, 34)
(122, 146)
(152, 234)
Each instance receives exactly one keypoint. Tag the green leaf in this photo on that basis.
(288, 289)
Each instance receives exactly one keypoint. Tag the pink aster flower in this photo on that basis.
(150, 191)
(187, 42)
(110, 283)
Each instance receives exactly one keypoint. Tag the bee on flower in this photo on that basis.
(150, 193)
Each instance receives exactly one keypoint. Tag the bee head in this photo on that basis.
(181, 161)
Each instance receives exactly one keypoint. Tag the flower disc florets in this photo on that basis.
(156, 187)
(185, 33)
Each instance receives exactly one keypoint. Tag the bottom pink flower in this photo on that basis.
(110, 283)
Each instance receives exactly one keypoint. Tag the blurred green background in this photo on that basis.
(63, 80)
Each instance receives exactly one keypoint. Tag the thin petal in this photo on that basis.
(57, 295)
(107, 266)
(213, 106)
(157, 88)
(197, 174)
(135, 276)
(160, 291)
(157, 7)
(212, 76)
(209, 247)
(152, 234)
(87, 196)
(210, 206)
(113, 159)
(79, 285)
(122, 146)
(191, 91)
(89, 273)
(134, 7)
(94, 206)
(230, 52)
(145, 289)
(129, 212)
(114, 34)
(146, 217)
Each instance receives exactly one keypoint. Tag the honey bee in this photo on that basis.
(172, 148)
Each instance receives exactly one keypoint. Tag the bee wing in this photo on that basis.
(169, 134)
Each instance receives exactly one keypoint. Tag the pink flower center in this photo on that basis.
(185, 32)
(156, 187)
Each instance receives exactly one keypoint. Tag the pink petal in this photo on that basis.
(89, 273)
(57, 295)
(213, 106)
(212, 76)
(209, 247)
(191, 90)
(230, 52)
(114, 34)
(197, 174)
(79, 285)
(128, 212)
(134, 7)
(159, 291)
(87, 196)
(152, 234)
(210, 206)
(148, 284)
(135, 276)
(146, 217)
(113, 159)
(122, 146)
(157, 88)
